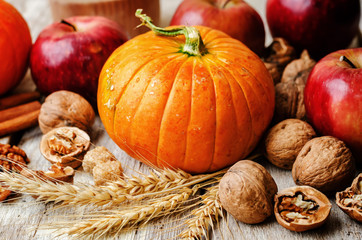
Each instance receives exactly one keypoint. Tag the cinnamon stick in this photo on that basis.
(17, 99)
(14, 112)
(19, 123)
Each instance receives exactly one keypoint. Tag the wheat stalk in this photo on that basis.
(135, 189)
(204, 216)
(153, 182)
(108, 224)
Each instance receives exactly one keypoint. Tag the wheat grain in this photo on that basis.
(135, 189)
(95, 225)
(204, 216)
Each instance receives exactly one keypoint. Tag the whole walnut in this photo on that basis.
(324, 163)
(284, 141)
(289, 93)
(246, 191)
(65, 109)
(277, 56)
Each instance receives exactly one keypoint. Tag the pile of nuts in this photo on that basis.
(65, 118)
(321, 165)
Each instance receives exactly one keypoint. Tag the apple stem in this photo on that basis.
(194, 46)
(345, 59)
(224, 3)
(69, 24)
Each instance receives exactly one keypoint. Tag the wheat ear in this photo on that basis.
(114, 193)
(95, 225)
(204, 216)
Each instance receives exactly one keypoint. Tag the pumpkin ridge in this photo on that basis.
(262, 86)
(225, 69)
(189, 120)
(14, 55)
(163, 114)
(130, 136)
(120, 94)
(260, 83)
(252, 133)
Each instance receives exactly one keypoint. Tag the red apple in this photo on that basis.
(333, 97)
(70, 54)
(320, 26)
(234, 17)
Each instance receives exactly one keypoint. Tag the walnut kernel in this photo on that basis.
(102, 164)
(12, 158)
(284, 141)
(246, 191)
(301, 208)
(4, 193)
(350, 200)
(65, 145)
(324, 163)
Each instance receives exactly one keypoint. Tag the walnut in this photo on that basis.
(289, 93)
(65, 109)
(350, 200)
(56, 173)
(102, 164)
(65, 145)
(277, 56)
(246, 191)
(12, 158)
(301, 208)
(324, 163)
(284, 141)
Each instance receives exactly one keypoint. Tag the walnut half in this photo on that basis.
(65, 145)
(56, 173)
(301, 208)
(350, 200)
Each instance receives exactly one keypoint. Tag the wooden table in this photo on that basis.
(21, 217)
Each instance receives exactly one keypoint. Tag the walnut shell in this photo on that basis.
(55, 174)
(65, 145)
(324, 163)
(277, 56)
(246, 192)
(65, 109)
(289, 93)
(285, 140)
(301, 208)
(350, 200)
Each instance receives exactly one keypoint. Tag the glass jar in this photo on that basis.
(121, 11)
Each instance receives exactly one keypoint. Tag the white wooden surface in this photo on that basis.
(20, 218)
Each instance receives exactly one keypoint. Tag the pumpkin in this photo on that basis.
(15, 44)
(189, 98)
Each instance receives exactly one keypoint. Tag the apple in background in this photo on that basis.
(320, 26)
(69, 55)
(234, 17)
(333, 97)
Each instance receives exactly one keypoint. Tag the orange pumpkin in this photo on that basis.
(15, 44)
(199, 106)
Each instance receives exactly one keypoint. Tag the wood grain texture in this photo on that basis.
(21, 217)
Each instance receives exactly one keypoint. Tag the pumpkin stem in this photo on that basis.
(194, 46)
